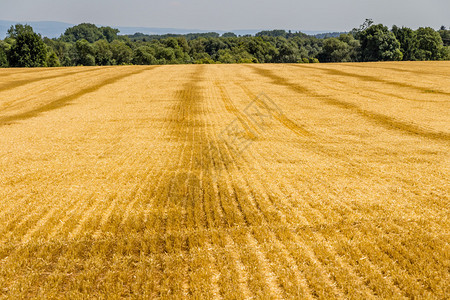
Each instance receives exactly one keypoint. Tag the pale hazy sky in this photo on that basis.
(340, 15)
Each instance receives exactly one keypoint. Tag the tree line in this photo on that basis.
(89, 45)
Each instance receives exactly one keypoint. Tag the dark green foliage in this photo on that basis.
(444, 53)
(355, 47)
(18, 29)
(212, 46)
(379, 44)
(110, 34)
(408, 41)
(86, 44)
(197, 46)
(83, 53)
(53, 60)
(342, 49)
(4, 48)
(229, 34)
(334, 50)
(193, 36)
(164, 55)
(310, 47)
(329, 35)
(273, 33)
(122, 54)
(61, 49)
(203, 58)
(190, 36)
(144, 55)
(287, 52)
(445, 35)
(102, 53)
(235, 55)
(90, 33)
(429, 44)
(263, 51)
(28, 50)
(84, 31)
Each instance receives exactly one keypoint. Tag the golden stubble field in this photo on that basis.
(187, 182)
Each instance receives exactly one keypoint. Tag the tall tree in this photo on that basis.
(343, 49)
(83, 53)
(408, 42)
(86, 31)
(102, 53)
(110, 34)
(357, 31)
(429, 44)
(28, 49)
(287, 52)
(16, 30)
(262, 50)
(121, 52)
(379, 44)
(144, 55)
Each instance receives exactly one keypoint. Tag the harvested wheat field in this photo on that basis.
(226, 181)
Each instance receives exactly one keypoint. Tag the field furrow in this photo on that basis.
(324, 181)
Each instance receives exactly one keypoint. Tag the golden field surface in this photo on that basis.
(226, 181)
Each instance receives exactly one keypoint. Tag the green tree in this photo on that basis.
(356, 32)
(338, 50)
(110, 34)
(102, 53)
(445, 35)
(165, 55)
(197, 46)
(263, 51)
(445, 53)
(203, 58)
(273, 33)
(143, 55)
(16, 30)
(354, 44)
(53, 60)
(429, 44)
(226, 57)
(287, 52)
(229, 34)
(170, 42)
(61, 49)
(173, 50)
(213, 45)
(379, 44)
(242, 56)
(184, 45)
(4, 49)
(86, 31)
(83, 53)
(28, 50)
(121, 53)
(408, 42)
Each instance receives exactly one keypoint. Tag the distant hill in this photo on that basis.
(54, 29)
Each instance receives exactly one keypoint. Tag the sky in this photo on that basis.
(319, 15)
